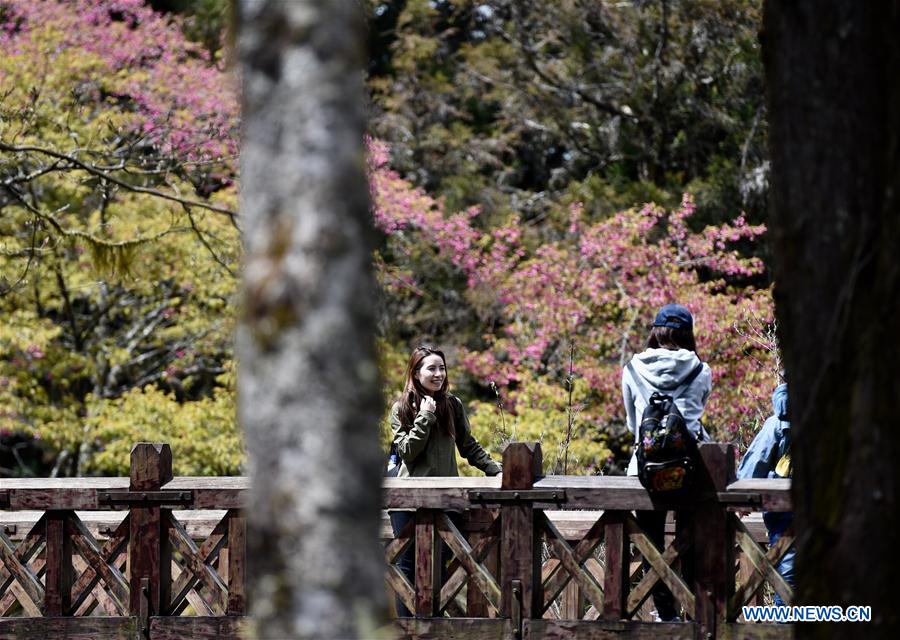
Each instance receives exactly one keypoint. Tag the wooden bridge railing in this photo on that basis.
(136, 573)
(523, 578)
(536, 558)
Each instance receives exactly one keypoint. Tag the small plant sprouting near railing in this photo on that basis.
(571, 410)
(502, 435)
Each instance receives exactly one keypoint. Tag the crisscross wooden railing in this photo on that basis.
(123, 557)
(536, 558)
(545, 558)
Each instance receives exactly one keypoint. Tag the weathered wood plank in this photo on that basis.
(672, 580)
(223, 498)
(753, 579)
(589, 587)
(428, 565)
(571, 603)
(434, 493)
(198, 628)
(775, 493)
(18, 570)
(28, 547)
(746, 592)
(522, 465)
(15, 593)
(89, 499)
(642, 591)
(195, 562)
(102, 524)
(520, 533)
(615, 577)
(574, 525)
(764, 566)
(401, 543)
(186, 580)
(553, 579)
(149, 551)
(58, 565)
(485, 546)
(212, 483)
(756, 631)
(190, 597)
(713, 554)
(520, 559)
(460, 547)
(237, 557)
(105, 601)
(453, 629)
(399, 584)
(91, 628)
(484, 527)
(98, 562)
(98, 594)
(63, 484)
(606, 630)
(43, 494)
(111, 553)
(56, 499)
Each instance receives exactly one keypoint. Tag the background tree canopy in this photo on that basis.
(524, 141)
(528, 162)
(119, 249)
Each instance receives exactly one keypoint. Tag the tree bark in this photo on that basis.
(834, 108)
(308, 387)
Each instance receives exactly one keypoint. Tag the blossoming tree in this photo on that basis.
(564, 311)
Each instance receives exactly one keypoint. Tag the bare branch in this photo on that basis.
(94, 170)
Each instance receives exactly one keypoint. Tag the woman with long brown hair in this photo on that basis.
(429, 425)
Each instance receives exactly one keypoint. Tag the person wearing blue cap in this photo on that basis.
(669, 365)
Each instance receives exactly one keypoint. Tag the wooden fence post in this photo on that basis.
(615, 577)
(149, 550)
(428, 564)
(520, 549)
(713, 549)
(476, 604)
(237, 553)
(59, 572)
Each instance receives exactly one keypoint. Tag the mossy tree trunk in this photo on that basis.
(834, 108)
(308, 388)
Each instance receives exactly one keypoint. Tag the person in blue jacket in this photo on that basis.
(769, 457)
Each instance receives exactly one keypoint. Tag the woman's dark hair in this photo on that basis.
(413, 393)
(670, 338)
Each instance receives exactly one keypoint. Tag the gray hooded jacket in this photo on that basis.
(665, 370)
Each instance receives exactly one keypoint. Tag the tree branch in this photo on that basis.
(93, 170)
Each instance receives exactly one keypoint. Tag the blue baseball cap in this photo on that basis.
(674, 316)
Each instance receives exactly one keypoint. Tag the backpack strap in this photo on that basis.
(687, 381)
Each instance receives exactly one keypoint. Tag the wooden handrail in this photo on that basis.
(57, 531)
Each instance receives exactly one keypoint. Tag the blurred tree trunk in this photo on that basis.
(308, 387)
(833, 73)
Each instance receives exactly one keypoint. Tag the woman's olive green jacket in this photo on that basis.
(426, 450)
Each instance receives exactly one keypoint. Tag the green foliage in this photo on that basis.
(542, 415)
(204, 434)
(553, 95)
(117, 247)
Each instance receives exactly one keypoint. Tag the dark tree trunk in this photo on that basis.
(308, 385)
(833, 72)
